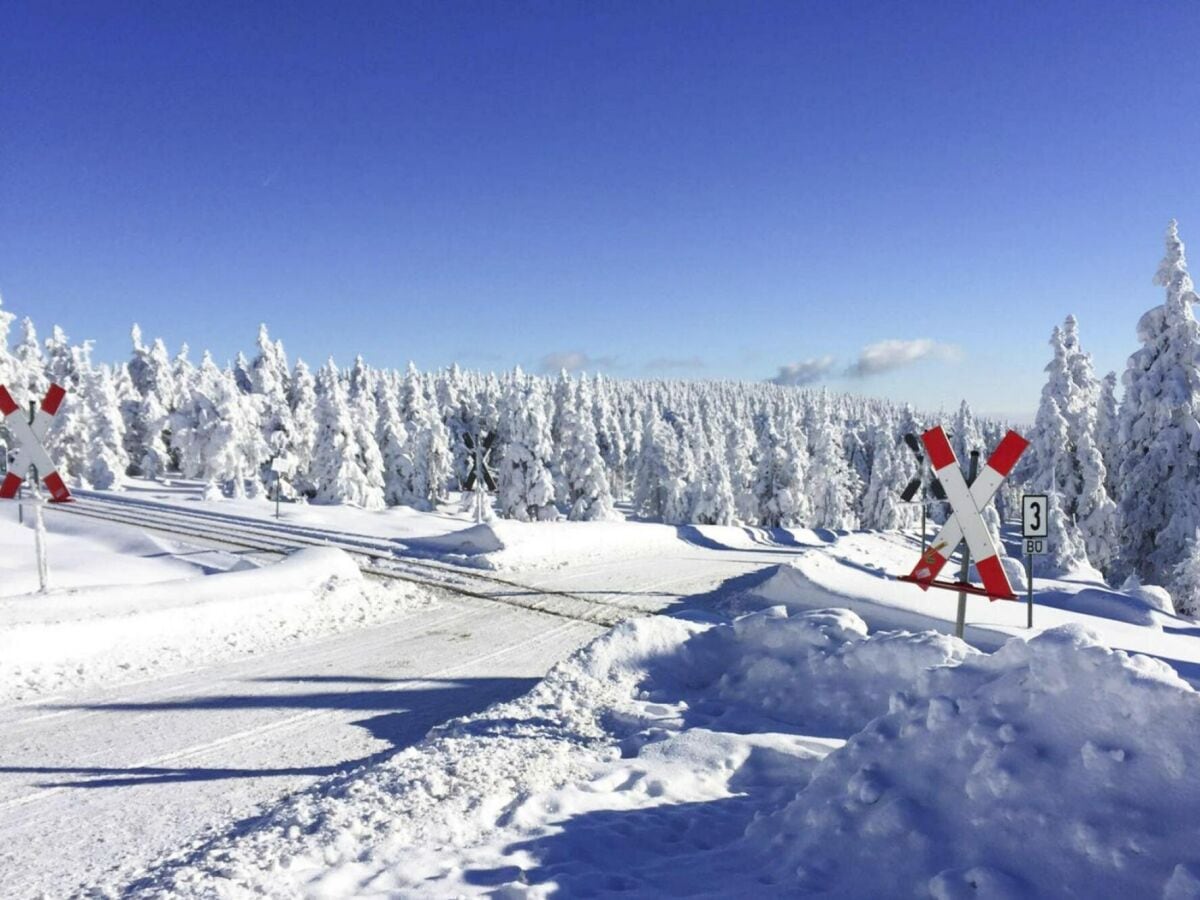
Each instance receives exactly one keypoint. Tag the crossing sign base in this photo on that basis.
(962, 586)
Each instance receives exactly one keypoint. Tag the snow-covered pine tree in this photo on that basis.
(525, 485)
(1096, 514)
(1108, 431)
(741, 463)
(337, 469)
(30, 380)
(69, 434)
(831, 484)
(365, 415)
(609, 436)
(269, 382)
(106, 456)
(392, 440)
(891, 469)
(302, 402)
(8, 363)
(586, 495)
(148, 412)
(1065, 551)
(1186, 581)
(779, 480)
(215, 429)
(427, 447)
(1160, 430)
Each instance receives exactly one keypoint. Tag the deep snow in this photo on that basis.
(806, 726)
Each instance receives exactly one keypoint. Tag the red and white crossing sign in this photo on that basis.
(967, 521)
(28, 436)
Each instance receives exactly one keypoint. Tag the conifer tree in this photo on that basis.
(1160, 431)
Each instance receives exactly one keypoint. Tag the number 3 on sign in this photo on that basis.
(1033, 516)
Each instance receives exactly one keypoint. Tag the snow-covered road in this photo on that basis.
(94, 786)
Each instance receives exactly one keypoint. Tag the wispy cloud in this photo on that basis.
(573, 361)
(671, 362)
(884, 356)
(804, 372)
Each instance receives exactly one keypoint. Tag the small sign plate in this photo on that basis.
(1035, 546)
(1034, 522)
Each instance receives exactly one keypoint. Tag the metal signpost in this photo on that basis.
(29, 455)
(482, 476)
(1035, 528)
(967, 500)
(279, 468)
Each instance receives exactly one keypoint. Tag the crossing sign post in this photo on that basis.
(29, 455)
(482, 479)
(28, 436)
(967, 500)
(1035, 527)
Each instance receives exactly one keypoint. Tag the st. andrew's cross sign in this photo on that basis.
(28, 437)
(967, 504)
(481, 447)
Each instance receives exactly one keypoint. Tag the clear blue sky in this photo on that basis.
(691, 189)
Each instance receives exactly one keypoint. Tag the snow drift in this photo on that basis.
(679, 758)
(70, 638)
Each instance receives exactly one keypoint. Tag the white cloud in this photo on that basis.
(885, 356)
(573, 361)
(804, 372)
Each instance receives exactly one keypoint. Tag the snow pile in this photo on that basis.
(1052, 766)
(81, 636)
(818, 672)
(474, 541)
(679, 758)
(649, 721)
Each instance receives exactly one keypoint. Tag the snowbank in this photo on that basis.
(650, 719)
(1051, 768)
(74, 637)
(677, 758)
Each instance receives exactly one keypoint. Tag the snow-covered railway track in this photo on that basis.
(374, 557)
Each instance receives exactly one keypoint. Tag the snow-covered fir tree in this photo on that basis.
(525, 485)
(585, 494)
(1186, 581)
(337, 467)
(1160, 429)
(779, 481)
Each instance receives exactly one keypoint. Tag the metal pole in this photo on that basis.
(960, 623)
(39, 531)
(1029, 585)
(479, 478)
(278, 485)
(924, 503)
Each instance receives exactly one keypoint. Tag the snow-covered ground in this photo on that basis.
(803, 723)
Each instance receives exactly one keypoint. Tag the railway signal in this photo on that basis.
(967, 500)
(925, 484)
(28, 436)
(28, 453)
(482, 478)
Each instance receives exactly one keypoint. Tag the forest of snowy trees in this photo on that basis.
(1123, 477)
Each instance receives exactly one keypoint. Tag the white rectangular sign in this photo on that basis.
(1034, 511)
(1035, 546)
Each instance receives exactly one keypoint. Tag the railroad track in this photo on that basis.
(377, 557)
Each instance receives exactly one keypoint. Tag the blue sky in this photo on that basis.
(687, 189)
